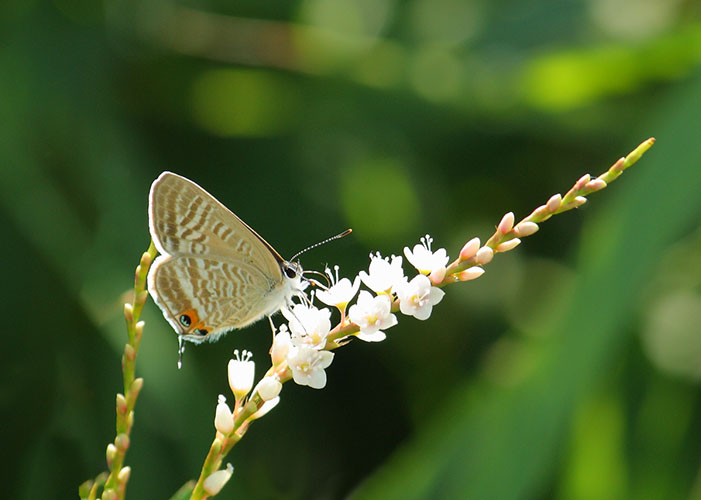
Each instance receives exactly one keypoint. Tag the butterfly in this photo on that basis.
(214, 273)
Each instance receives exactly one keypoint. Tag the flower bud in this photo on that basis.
(281, 346)
(471, 273)
(267, 406)
(596, 185)
(129, 312)
(216, 481)
(437, 276)
(223, 418)
(582, 182)
(484, 255)
(506, 224)
(122, 442)
(554, 202)
(268, 388)
(110, 454)
(470, 249)
(524, 229)
(508, 245)
(124, 474)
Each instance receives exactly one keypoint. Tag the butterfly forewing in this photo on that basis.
(214, 272)
(186, 220)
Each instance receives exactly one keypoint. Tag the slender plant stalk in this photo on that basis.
(114, 481)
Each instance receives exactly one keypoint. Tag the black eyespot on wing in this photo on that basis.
(202, 331)
(185, 320)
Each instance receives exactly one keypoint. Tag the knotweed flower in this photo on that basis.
(417, 297)
(424, 259)
(341, 291)
(372, 315)
(383, 276)
(241, 371)
(308, 366)
(308, 324)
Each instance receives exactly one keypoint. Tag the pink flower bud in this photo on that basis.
(506, 224)
(437, 275)
(596, 185)
(470, 249)
(554, 202)
(619, 166)
(508, 245)
(583, 180)
(471, 273)
(525, 229)
(579, 201)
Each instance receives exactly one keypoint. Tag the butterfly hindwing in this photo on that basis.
(202, 297)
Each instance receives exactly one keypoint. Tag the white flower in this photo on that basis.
(281, 346)
(425, 260)
(308, 366)
(418, 297)
(241, 371)
(216, 480)
(268, 388)
(309, 325)
(383, 276)
(341, 291)
(223, 418)
(372, 314)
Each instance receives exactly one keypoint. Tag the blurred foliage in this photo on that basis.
(571, 370)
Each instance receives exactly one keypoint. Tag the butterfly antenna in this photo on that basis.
(340, 235)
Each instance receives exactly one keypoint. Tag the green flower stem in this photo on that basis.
(115, 482)
(574, 198)
(222, 445)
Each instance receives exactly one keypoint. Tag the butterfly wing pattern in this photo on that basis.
(214, 273)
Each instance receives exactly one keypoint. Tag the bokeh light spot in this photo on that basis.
(235, 102)
(379, 201)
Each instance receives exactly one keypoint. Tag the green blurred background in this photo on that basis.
(570, 370)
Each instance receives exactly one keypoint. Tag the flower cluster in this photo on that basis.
(302, 348)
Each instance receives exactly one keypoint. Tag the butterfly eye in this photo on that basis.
(291, 271)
